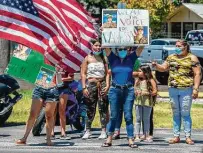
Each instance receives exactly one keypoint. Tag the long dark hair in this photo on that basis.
(148, 74)
(93, 41)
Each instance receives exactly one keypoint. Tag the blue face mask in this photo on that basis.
(122, 53)
(178, 50)
(97, 53)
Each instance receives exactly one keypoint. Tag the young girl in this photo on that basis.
(95, 83)
(145, 91)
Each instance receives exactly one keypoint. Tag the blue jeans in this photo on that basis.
(115, 94)
(119, 120)
(181, 101)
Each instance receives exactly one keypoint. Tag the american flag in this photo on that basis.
(59, 29)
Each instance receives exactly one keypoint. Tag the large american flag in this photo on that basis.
(59, 29)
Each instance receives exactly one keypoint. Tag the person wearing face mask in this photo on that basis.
(95, 83)
(121, 92)
(184, 80)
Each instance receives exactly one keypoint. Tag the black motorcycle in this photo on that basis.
(8, 86)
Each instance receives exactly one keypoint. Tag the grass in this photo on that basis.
(162, 113)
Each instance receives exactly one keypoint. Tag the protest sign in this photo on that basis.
(125, 27)
(28, 65)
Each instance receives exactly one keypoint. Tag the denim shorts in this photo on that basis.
(48, 95)
(64, 91)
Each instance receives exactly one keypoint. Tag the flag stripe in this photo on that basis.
(20, 39)
(61, 30)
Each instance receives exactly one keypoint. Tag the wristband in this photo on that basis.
(84, 88)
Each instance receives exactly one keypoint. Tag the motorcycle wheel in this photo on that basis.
(4, 117)
(39, 124)
(79, 123)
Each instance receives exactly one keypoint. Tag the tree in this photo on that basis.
(158, 10)
(93, 5)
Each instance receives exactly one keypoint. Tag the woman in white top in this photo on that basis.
(95, 83)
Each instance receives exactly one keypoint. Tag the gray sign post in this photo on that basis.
(121, 5)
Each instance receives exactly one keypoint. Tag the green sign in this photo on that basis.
(29, 65)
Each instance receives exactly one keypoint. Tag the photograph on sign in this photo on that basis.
(125, 27)
(109, 19)
(22, 52)
(45, 78)
(141, 33)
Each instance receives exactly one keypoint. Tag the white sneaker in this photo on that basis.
(102, 135)
(86, 135)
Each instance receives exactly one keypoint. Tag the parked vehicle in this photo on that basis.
(154, 50)
(8, 86)
(159, 53)
(75, 111)
(195, 37)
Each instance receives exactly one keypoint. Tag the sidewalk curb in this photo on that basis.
(166, 99)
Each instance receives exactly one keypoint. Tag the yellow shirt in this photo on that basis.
(180, 71)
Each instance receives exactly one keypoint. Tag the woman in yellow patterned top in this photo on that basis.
(184, 80)
(145, 91)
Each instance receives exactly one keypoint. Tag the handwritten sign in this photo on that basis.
(125, 27)
(28, 65)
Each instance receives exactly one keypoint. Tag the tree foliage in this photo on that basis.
(158, 9)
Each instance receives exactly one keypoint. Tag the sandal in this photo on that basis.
(20, 142)
(149, 140)
(133, 145)
(189, 141)
(137, 140)
(106, 144)
(174, 140)
(65, 137)
(116, 136)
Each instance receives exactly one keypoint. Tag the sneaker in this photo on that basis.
(102, 135)
(65, 137)
(86, 135)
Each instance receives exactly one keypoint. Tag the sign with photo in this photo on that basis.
(125, 27)
(28, 65)
(45, 78)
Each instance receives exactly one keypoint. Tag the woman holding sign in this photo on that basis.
(122, 87)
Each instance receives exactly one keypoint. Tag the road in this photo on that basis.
(37, 144)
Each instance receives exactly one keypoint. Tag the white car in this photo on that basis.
(195, 37)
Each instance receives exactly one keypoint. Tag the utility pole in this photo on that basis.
(121, 5)
(4, 54)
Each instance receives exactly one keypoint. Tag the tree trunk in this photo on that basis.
(4, 54)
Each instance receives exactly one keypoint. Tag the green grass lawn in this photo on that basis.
(162, 114)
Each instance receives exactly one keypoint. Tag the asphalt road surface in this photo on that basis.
(37, 144)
